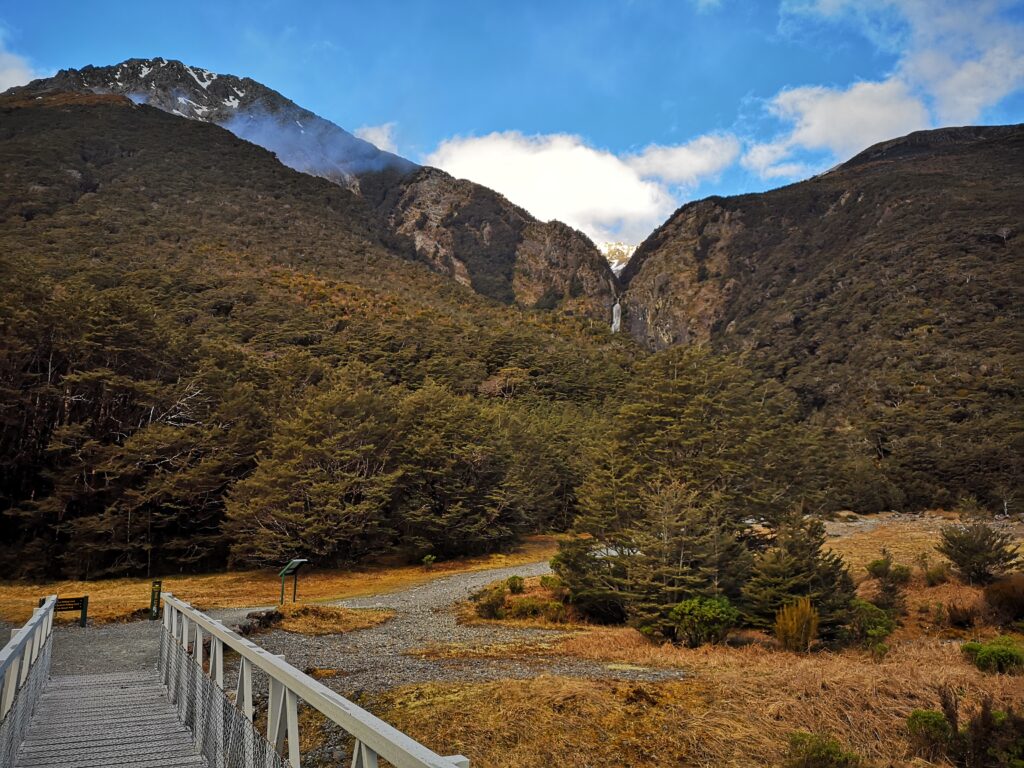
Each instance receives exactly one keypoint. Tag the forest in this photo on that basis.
(208, 360)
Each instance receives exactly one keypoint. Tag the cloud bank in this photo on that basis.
(381, 136)
(15, 69)
(561, 176)
(955, 60)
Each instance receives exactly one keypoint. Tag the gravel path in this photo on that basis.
(368, 660)
(374, 660)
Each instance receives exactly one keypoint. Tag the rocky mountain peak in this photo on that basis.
(301, 139)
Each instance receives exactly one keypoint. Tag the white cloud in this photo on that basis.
(703, 6)
(560, 176)
(956, 58)
(382, 136)
(687, 163)
(15, 69)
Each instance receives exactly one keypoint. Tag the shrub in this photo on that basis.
(555, 612)
(1004, 655)
(936, 574)
(990, 739)
(978, 551)
(525, 608)
(551, 582)
(812, 750)
(1005, 598)
(961, 615)
(428, 561)
(702, 620)
(869, 626)
(796, 625)
(929, 733)
(515, 585)
(892, 580)
(490, 602)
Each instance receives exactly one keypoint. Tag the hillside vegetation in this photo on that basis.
(178, 310)
(886, 294)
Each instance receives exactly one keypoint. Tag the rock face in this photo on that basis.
(906, 257)
(481, 239)
(250, 110)
(457, 227)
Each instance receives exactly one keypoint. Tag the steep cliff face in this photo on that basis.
(481, 239)
(685, 287)
(902, 267)
(458, 228)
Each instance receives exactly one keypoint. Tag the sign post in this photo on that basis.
(292, 569)
(80, 604)
(154, 600)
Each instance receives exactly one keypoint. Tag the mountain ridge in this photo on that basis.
(476, 236)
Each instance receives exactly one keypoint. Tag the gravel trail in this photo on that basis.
(369, 660)
(374, 660)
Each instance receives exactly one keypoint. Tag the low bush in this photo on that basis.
(490, 602)
(525, 608)
(929, 732)
(990, 738)
(936, 574)
(551, 582)
(555, 612)
(796, 625)
(516, 585)
(961, 615)
(869, 626)
(978, 551)
(892, 581)
(1005, 599)
(812, 750)
(1004, 655)
(701, 620)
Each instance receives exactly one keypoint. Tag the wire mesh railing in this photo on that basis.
(221, 732)
(24, 671)
(224, 729)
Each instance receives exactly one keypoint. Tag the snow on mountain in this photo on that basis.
(301, 139)
(617, 254)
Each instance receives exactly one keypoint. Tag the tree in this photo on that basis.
(978, 551)
(796, 566)
(325, 487)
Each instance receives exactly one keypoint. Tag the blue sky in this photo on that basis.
(604, 114)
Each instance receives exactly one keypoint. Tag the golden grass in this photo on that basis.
(112, 600)
(736, 707)
(318, 620)
(907, 537)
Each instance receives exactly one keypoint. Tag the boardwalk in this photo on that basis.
(98, 721)
(174, 713)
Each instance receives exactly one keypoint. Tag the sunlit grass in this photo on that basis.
(112, 600)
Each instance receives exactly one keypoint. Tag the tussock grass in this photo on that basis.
(318, 620)
(737, 707)
(112, 600)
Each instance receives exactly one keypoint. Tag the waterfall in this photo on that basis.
(616, 317)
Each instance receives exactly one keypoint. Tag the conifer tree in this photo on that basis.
(796, 566)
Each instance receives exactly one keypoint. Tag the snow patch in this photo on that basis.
(232, 102)
(144, 70)
(204, 78)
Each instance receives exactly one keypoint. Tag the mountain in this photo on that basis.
(887, 293)
(171, 296)
(458, 228)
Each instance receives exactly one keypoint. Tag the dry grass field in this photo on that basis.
(114, 600)
(737, 705)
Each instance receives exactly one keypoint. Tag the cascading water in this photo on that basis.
(616, 317)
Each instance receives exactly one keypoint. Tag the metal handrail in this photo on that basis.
(374, 738)
(22, 651)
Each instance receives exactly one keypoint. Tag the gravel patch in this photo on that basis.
(374, 660)
(368, 661)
